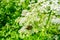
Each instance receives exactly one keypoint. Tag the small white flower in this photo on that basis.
(40, 1)
(44, 6)
(32, 1)
(54, 1)
(24, 12)
(22, 30)
(53, 7)
(55, 37)
(22, 20)
(58, 9)
(56, 21)
(37, 18)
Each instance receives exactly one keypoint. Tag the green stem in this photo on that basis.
(48, 18)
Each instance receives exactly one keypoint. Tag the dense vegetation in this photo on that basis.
(29, 20)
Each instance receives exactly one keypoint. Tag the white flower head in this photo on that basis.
(55, 37)
(53, 7)
(40, 1)
(24, 12)
(22, 30)
(58, 13)
(22, 20)
(54, 1)
(56, 21)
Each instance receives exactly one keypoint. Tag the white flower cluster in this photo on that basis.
(35, 14)
(40, 1)
(28, 17)
(56, 21)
